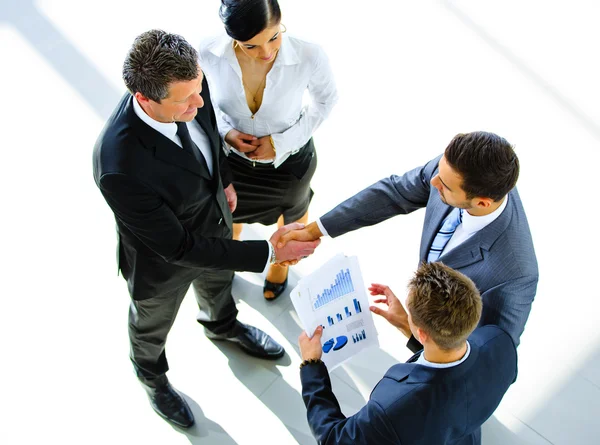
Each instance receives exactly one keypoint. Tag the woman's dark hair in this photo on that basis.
(243, 19)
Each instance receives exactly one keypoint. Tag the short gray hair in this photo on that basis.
(157, 59)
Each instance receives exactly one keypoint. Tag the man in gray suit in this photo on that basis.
(474, 223)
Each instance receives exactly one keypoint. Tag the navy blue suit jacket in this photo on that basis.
(500, 258)
(415, 404)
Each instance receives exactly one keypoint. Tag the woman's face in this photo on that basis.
(263, 47)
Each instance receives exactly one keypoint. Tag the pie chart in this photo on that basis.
(327, 346)
(341, 341)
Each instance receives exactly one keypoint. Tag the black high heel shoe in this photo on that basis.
(276, 288)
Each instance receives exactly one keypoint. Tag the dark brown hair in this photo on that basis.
(486, 162)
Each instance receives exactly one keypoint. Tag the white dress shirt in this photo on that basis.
(169, 130)
(469, 226)
(298, 67)
(422, 361)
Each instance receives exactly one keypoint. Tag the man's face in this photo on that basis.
(448, 183)
(181, 103)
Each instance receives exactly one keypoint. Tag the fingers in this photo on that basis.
(381, 300)
(318, 333)
(244, 147)
(246, 136)
(379, 312)
(375, 287)
(292, 226)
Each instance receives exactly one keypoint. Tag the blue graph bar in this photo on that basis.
(357, 308)
(330, 320)
(348, 313)
(342, 286)
(339, 317)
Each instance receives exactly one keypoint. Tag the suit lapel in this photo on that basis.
(164, 149)
(465, 254)
(170, 152)
(471, 251)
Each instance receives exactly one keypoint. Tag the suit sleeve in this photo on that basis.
(508, 305)
(146, 215)
(385, 199)
(329, 426)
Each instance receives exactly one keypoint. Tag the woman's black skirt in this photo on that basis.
(265, 192)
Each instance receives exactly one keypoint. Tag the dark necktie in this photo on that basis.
(189, 145)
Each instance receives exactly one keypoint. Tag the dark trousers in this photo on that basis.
(150, 320)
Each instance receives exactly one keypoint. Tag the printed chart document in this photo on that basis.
(335, 298)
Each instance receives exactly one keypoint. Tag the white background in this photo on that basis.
(410, 75)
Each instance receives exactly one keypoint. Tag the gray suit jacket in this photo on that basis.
(500, 258)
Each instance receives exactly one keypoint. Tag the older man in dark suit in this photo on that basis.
(443, 394)
(159, 165)
(474, 223)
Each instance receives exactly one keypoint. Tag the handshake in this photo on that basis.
(295, 241)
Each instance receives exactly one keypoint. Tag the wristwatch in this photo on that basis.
(273, 258)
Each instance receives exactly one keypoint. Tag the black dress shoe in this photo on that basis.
(252, 341)
(168, 403)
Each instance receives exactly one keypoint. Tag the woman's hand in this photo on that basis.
(242, 142)
(264, 150)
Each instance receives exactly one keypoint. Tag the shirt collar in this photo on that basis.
(422, 361)
(168, 129)
(472, 224)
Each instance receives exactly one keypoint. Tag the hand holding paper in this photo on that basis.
(310, 348)
(330, 302)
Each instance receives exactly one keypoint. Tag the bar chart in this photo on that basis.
(359, 336)
(342, 285)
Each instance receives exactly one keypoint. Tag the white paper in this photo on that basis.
(335, 297)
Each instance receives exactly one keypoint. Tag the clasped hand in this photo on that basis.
(292, 251)
(253, 147)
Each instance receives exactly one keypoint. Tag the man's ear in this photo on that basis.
(422, 336)
(141, 98)
(483, 203)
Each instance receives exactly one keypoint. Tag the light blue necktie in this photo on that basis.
(449, 225)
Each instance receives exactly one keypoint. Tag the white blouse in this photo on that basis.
(299, 66)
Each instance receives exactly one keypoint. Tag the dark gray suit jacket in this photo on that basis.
(500, 258)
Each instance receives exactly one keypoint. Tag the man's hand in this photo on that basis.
(231, 196)
(395, 314)
(241, 141)
(264, 149)
(308, 233)
(293, 251)
(310, 348)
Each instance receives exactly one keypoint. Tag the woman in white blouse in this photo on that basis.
(258, 77)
